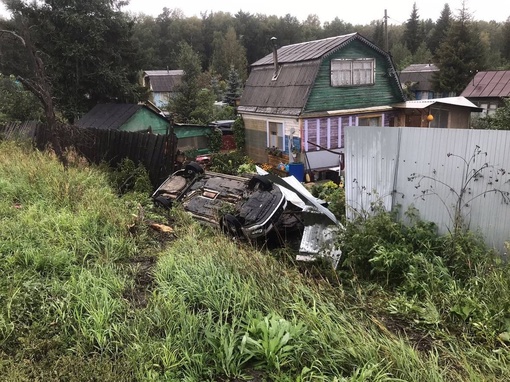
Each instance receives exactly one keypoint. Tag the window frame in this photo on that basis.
(275, 135)
(346, 72)
(370, 118)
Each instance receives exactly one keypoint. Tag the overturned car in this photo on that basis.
(254, 207)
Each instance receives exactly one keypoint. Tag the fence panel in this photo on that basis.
(15, 130)
(381, 162)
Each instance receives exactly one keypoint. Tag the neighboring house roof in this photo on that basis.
(422, 104)
(419, 75)
(163, 80)
(110, 115)
(489, 84)
(298, 67)
(164, 72)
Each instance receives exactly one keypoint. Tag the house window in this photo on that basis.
(352, 72)
(275, 135)
(372, 120)
(491, 110)
(323, 133)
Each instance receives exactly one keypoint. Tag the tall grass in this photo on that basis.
(216, 310)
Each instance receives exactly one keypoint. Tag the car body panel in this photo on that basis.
(209, 196)
(255, 207)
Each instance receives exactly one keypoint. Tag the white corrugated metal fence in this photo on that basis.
(381, 161)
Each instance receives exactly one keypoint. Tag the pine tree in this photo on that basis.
(413, 36)
(459, 56)
(506, 41)
(233, 87)
(441, 29)
(186, 101)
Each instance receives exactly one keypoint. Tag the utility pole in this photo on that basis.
(385, 30)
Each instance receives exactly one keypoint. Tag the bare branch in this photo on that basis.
(14, 34)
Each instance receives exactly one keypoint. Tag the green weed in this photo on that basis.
(402, 308)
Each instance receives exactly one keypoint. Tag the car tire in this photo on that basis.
(231, 226)
(162, 202)
(192, 169)
(262, 183)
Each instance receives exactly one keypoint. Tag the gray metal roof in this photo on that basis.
(151, 73)
(305, 51)
(419, 75)
(424, 103)
(108, 116)
(420, 68)
(164, 81)
(489, 84)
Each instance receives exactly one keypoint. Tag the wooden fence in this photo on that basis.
(155, 152)
(16, 130)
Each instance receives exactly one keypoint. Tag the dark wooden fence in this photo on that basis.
(16, 130)
(155, 152)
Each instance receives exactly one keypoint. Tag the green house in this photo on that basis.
(299, 98)
(126, 117)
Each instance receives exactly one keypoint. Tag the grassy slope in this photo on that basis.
(89, 293)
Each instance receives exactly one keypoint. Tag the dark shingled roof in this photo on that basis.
(164, 80)
(490, 84)
(165, 83)
(287, 95)
(420, 74)
(108, 116)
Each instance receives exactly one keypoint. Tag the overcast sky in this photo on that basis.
(354, 12)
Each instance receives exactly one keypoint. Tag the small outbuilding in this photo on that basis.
(126, 117)
(448, 112)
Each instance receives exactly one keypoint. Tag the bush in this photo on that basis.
(384, 249)
(334, 195)
(215, 140)
(129, 177)
(228, 163)
(239, 134)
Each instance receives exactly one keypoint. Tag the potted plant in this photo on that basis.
(274, 151)
(276, 156)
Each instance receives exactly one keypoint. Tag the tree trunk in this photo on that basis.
(41, 88)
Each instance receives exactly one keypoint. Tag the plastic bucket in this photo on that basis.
(297, 170)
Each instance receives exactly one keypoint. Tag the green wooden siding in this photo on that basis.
(143, 119)
(324, 97)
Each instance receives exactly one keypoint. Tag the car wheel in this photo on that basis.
(261, 183)
(162, 202)
(193, 168)
(230, 225)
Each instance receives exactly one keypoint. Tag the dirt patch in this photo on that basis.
(143, 280)
(419, 340)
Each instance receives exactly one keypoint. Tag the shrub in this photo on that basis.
(239, 134)
(384, 249)
(215, 140)
(228, 163)
(129, 177)
(334, 195)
